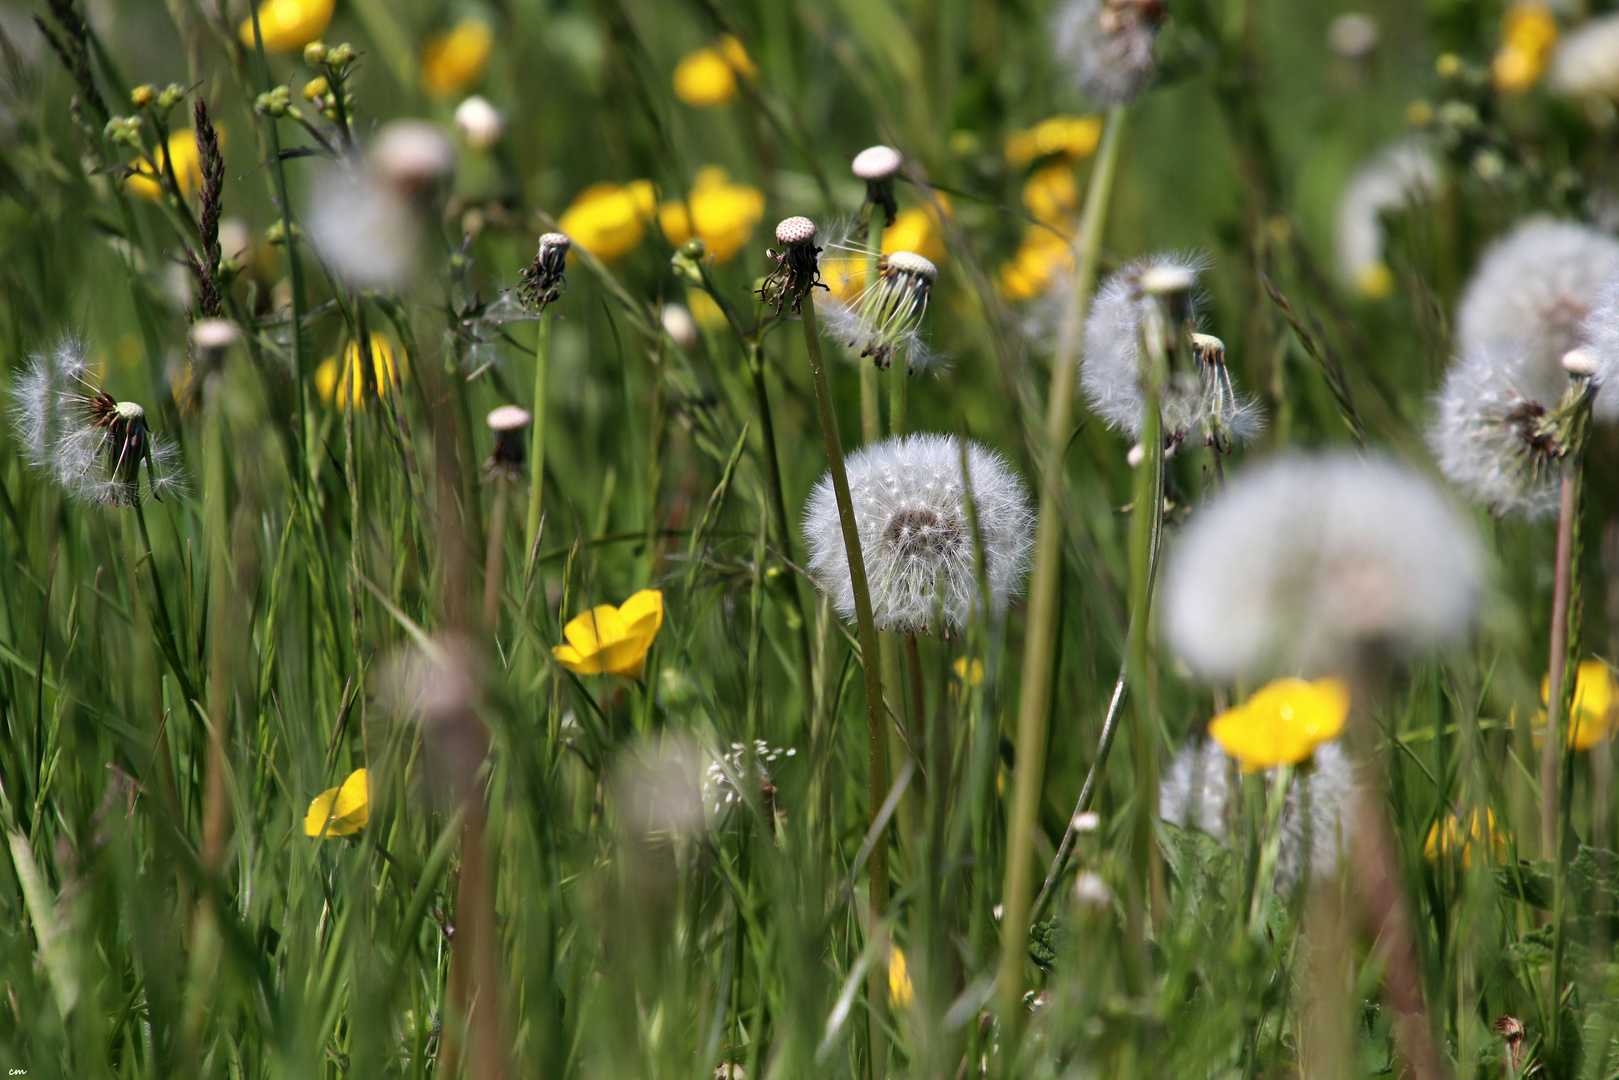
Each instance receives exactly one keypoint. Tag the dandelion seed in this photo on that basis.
(1586, 62)
(1394, 178)
(1307, 562)
(1108, 46)
(719, 779)
(1201, 402)
(889, 318)
(910, 509)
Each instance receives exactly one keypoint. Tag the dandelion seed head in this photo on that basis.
(876, 163)
(910, 509)
(888, 320)
(795, 230)
(1108, 46)
(1394, 178)
(679, 324)
(1201, 402)
(1586, 61)
(1304, 563)
(1598, 352)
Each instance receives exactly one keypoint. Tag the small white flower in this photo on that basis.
(910, 508)
(1307, 561)
(1108, 46)
(1394, 178)
(1201, 403)
(1586, 62)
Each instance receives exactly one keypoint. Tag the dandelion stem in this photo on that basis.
(1044, 590)
(1562, 591)
(876, 733)
(536, 452)
(494, 564)
(897, 373)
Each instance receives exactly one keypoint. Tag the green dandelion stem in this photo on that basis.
(536, 451)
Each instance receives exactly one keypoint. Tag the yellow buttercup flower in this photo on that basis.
(1593, 711)
(707, 76)
(609, 220)
(334, 383)
(1528, 35)
(1040, 258)
(182, 151)
(901, 992)
(1283, 722)
(455, 59)
(1051, 193)
(342, 810)
(612, 639)
(918, 229)
(288, 25)
(719, 212)
(1450, 838)
(1071, 136)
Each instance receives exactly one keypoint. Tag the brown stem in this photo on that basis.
(494, 565)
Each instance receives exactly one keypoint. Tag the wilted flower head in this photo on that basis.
(1108, 46)
(877, 166)
(797, 269)
(1200, 402)
(889, 318)
(545, 278)
(1199, 791)
(1395, 177)
(1586, 61)
(510, 426)
(1303, 564)
(910, 508)
(91, 445)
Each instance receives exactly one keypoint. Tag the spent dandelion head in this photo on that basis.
(509, 423)
(888, 320)
(1307, 564)
(910, 508)
(479, 122)
(1198, 401)
(878, 166)
(1585, 63)
(545, 277)
(797, 268)
(1108, 46)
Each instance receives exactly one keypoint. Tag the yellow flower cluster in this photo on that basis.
(707, 77)
(455, 59)
(1052, 197)
(342, 810)
(288, 25)
(609, 220)
(1593, 711)
(718, 212)
(348, 383)
(612, 640)
(1452, 839)
(1528, 35)
(1282, 723)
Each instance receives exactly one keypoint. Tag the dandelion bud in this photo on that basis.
(544, 280)
(314, 53)
(890, 316)
(797, 268)
(679, 325)
(910, 508)
(413, 156)
(479, 122)
(877, 166)
(142, 95)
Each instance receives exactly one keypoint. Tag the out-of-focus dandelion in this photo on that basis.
(1528, 35)
(1459, 840)
(182, 153)
(1594, 701)
(612, 639)
(718, 212)
(341, 381)
(1586, 63)
(1305, 564)
(706, 77)
(1353, 35)
(342, 810)
(910, 507)
(288, 25)
(889, 319)
(412, 156)
(1199, 403)
(509, 423)
(901, 992)
(1508, 412)
(679, 324)
(1394, 178)
(435, 683)
(479, 122)
(1108, 46)
(1198, 791)
(609, 220)
(877, 166)
(720, 792)
(544, 279)
(1067, 137)
(456, 58)
(90, 444)
(1283, 722)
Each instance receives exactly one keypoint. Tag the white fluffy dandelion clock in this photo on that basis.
(1108, 46)
(910, 507)
(1504, 407)
(1306, 563)
(1200, 402)
(90, 444)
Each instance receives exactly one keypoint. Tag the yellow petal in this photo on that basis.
(342, 810)
(705, 78)
(643, 613)
(577, 662)
(593, 630)
(454, 60)
(1283, 722)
